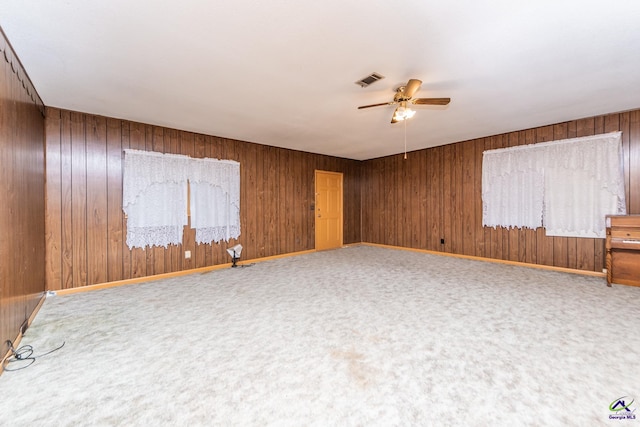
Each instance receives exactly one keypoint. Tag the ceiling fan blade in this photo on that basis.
(375, 105)
(431, 101)
(411, 87)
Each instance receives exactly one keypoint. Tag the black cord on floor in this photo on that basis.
(246, 265)
(25, 353)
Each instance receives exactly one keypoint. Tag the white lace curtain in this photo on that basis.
(567, 186)
(215, 200)
(155, 198)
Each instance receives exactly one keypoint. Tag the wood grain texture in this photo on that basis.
(452, 210)
(78, 198)
(86, 226)
(22, 198)
(115, 216)
(97, 197)
(53, 208)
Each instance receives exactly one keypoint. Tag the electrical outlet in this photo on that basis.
(187, 254)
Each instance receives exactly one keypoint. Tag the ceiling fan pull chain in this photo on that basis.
(405, 139)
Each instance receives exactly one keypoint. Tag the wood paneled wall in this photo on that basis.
(21, 196)
(436, 194)
(85, 224)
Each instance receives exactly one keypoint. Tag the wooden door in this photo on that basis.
(328, 210)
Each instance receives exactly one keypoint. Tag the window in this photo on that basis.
(566, 186)
(155, 195)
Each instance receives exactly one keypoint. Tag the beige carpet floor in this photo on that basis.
(359, 336)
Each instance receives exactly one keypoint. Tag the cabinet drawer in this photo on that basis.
(625, 233)
(625, 267)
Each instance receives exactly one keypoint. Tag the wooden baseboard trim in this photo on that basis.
(16, 341)
(116, 283)
(499, 261)
(36, 309)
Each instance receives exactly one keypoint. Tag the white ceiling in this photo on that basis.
(282, 72)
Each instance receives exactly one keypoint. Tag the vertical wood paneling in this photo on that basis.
(290, 214)
(97, 197)
(434, 194)
(412, 206)
(379, 219)
(435, 185)
(307, 193)
(283, 215)
(404, 174)
(67, 208)
(391, 190)
(353, 187)
(249, 203)
(468, 214)
(22, 198)
(79, 198)
(457, 196)
(12, 294)
(447, 196)
(303, 168)
(276, 196)
(272, 244)
(115, 216)
(625, 127)
(420, 205)
(53, 210)
(261, 212)
(452, 207)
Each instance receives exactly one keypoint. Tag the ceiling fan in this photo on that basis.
(404, 96)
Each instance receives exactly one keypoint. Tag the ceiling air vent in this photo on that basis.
(371, 78)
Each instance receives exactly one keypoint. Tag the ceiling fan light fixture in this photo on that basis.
(403, 113)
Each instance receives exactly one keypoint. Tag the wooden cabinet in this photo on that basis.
(623, 249)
